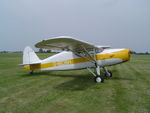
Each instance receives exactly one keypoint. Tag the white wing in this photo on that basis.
(67, 43)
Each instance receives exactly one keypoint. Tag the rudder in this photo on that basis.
(29, 57)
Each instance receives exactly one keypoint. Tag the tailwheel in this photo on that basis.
(99, 79)
(108, 73)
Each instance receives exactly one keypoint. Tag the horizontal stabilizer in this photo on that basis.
(103, 47)
(29, 64)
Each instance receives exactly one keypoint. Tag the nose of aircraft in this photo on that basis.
(127, 54)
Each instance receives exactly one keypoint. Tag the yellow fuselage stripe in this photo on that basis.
(124, 55)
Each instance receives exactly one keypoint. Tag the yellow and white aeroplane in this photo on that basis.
(76, 54)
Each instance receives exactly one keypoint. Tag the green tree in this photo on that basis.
(41, 50)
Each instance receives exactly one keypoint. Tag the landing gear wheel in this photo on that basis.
(31, 73)
(99, 79)
(108, 73)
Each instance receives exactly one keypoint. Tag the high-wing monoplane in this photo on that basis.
(76, 54)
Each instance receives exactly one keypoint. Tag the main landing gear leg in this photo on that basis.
(108, 73)
(98, 77)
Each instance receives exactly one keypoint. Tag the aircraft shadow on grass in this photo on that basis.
(78, 82)
(121, 78)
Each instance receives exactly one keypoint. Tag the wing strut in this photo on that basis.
(87, 55)
(98, 77)
(94, 56)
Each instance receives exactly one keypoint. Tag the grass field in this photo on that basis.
(128, 91)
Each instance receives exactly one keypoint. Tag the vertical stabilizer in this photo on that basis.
(29, 57)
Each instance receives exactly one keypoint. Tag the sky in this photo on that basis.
(115, 23)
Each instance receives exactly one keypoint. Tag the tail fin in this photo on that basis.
(29, 57)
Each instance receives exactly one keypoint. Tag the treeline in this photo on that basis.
(48, 51)
(10, 51)
(38, 51)
(140, 53)
(57, 51)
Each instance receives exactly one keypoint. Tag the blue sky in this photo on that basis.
(118, 23)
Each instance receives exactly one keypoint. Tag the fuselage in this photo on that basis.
(68, 60)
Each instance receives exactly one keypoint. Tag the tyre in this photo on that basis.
(99, 79)
(108, 73)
